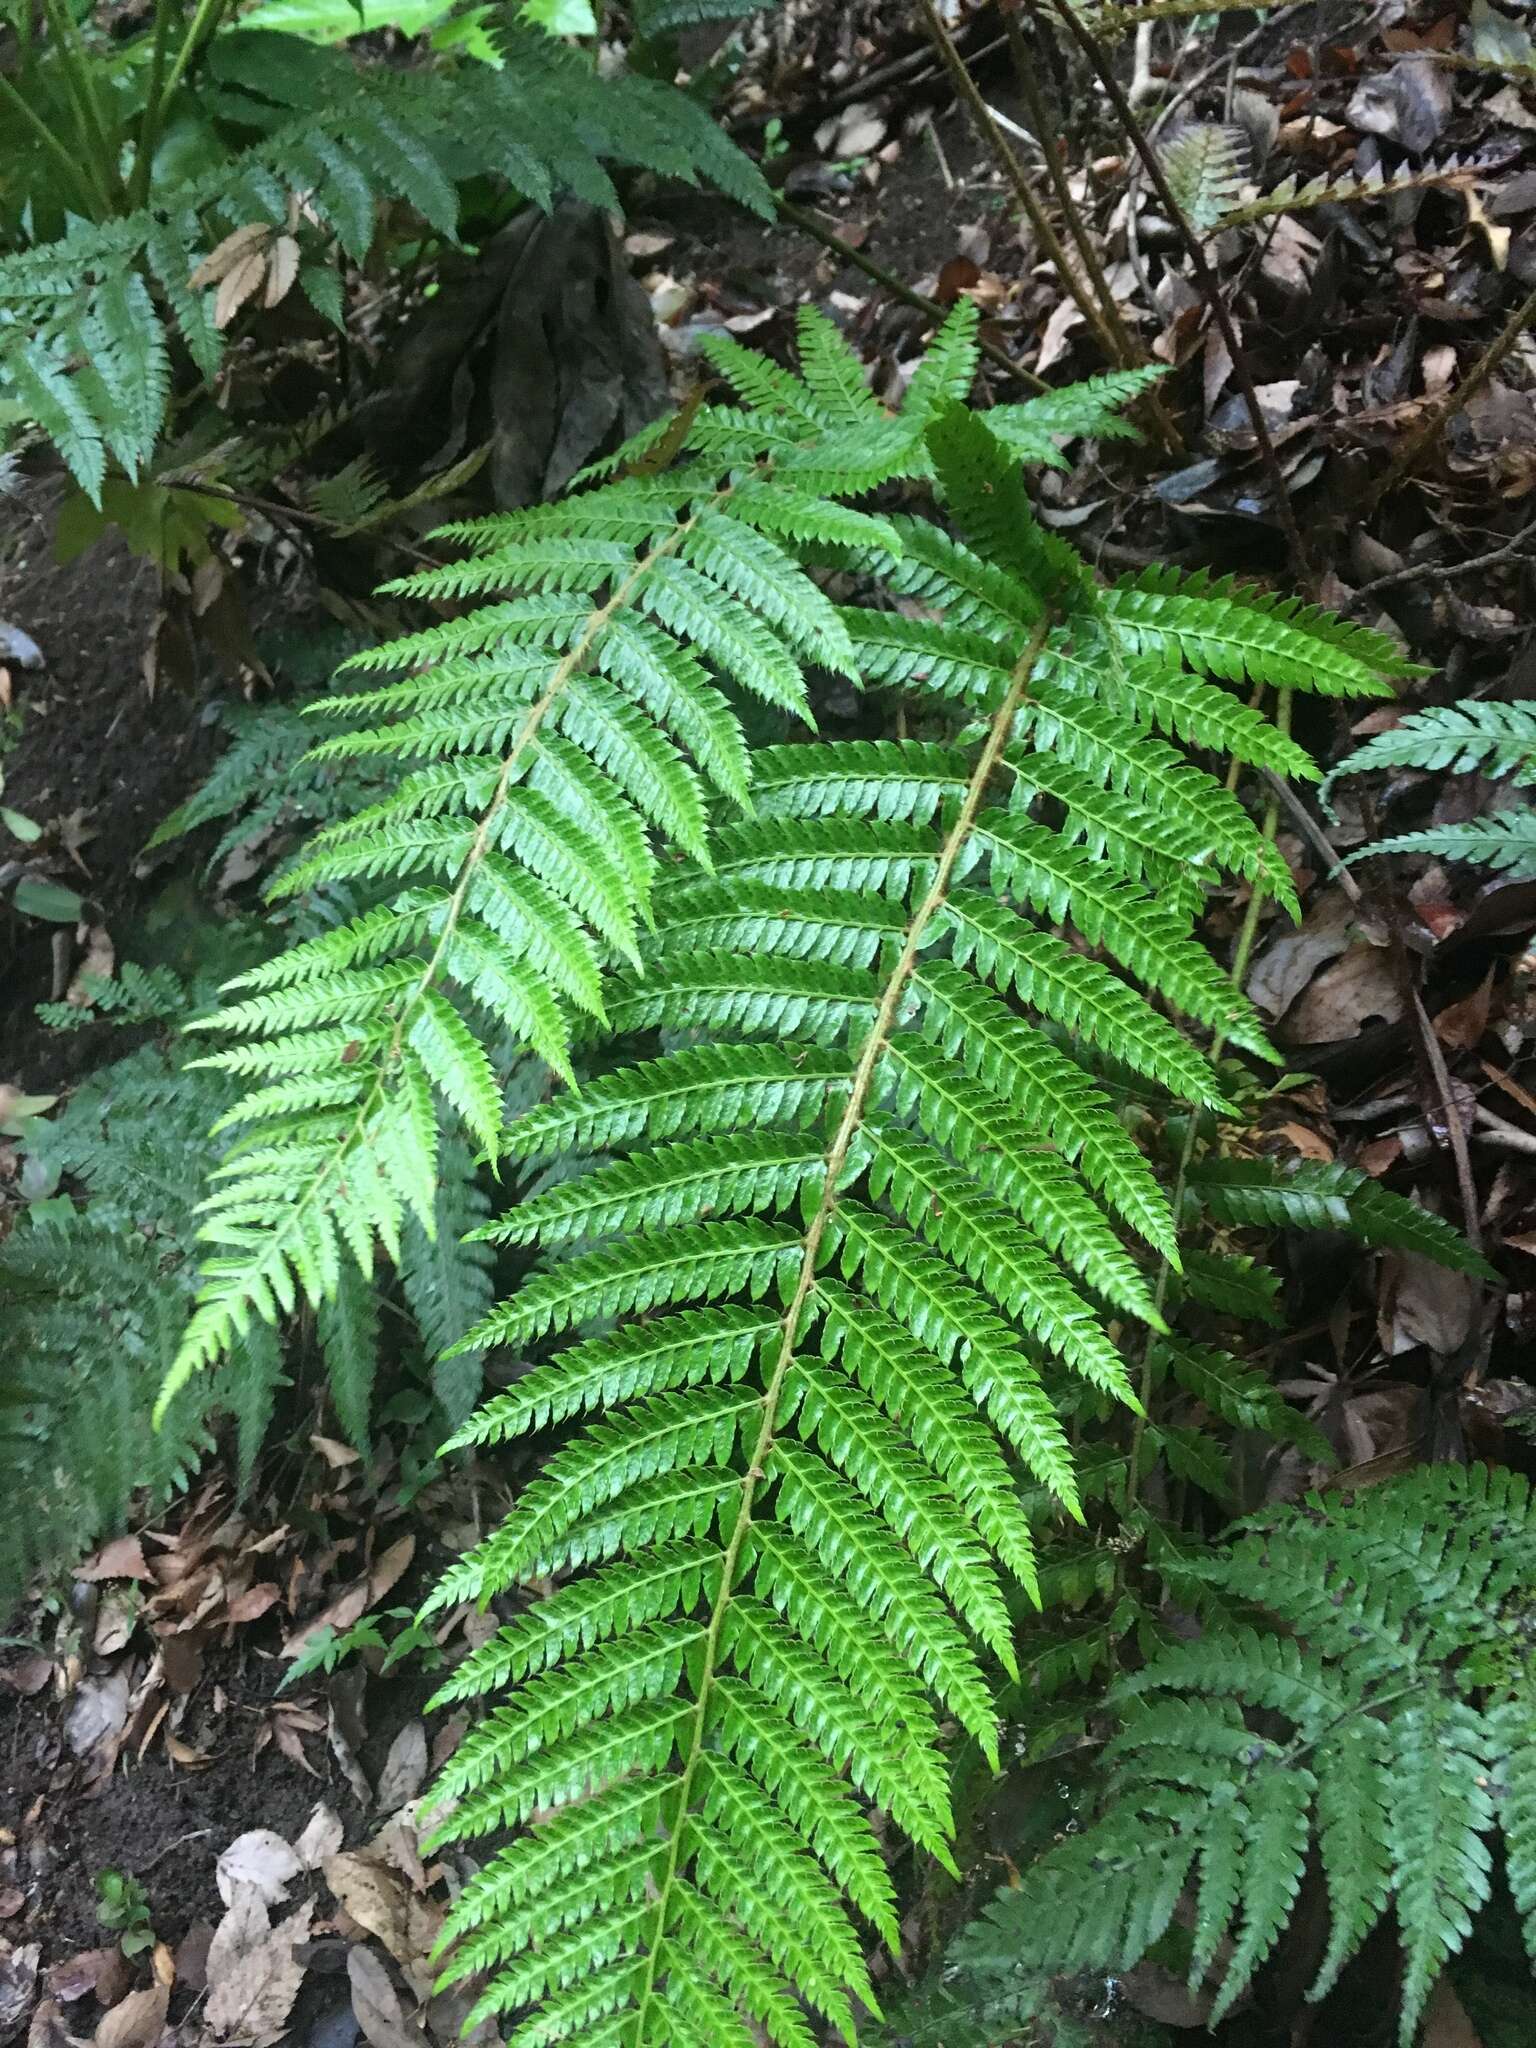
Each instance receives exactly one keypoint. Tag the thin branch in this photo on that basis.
(1419, 443)
(1207, 284)
(1039, 221)
(897, 289)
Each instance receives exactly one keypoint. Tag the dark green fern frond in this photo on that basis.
(1393, 1677)
(825, 1295)
(84, 345)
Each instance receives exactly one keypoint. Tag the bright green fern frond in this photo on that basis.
(1504, 841)
(839, 1277)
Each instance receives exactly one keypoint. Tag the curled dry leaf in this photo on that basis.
(98, 1711)
(321, 1839)
(259, 1861)
(229, 255)
(135, 2022)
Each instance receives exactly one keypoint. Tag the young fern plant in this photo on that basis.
(848, 1246)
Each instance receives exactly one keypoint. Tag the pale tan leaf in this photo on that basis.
(237, 286)
(231, 251)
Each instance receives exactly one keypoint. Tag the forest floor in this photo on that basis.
(143, 1730)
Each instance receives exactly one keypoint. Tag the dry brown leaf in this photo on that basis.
(1362, 988)
(98, 1711)
(322, 1837)
(375, 2004)
(254, 1602)
(48, 2030)
(253, 1972)
(282, 269)
(335, 1454)
(230, 252)
(238, 285)
(359, 1597)
(404, 1768)
(1423, 1303)
(123, 1559)
(384, 1907)
(137, 2021)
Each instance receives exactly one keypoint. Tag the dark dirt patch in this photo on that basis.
(97, 761)
(155, 1821)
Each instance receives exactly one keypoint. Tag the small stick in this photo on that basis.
(893, 284)
(1018, 178)
(1205, 279)
(1418, 444)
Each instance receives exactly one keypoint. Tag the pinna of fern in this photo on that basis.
(844, 1251)
(1361, 1693)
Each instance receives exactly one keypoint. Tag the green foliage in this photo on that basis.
(832, 1261)
(123, 1907)
(296, 150)
(1362, 1691)
(1204, 168)
(1497, 740)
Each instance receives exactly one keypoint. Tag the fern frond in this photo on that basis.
(1461, 739)
(1504, 841)
(1204, 169)
(827, 1295)
(1392, 1726)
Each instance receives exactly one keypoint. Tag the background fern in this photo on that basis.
(1497, 740)
(1362, 1690)
(89, 315)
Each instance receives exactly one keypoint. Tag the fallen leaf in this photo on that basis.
(78, 1974)
(1423, 1303)
(123, 1559)
(335, 1454)
(260, 1861)
(97, 1712)
(254, 1602)
(12, 1899)
(49, 2031)
(383, 1906)
(1446, 2024)
(1289, 962)
(253, 1972)
(364, 1593)
(28, 1675)
(375, 2004)
(18, 1981)
(116, 1619)
(1461, 1025)
(136, 2021)
(1363, 987)
(405, 1767)
(322, 1837)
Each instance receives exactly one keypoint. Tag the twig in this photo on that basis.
(1141, 84)
(1024, 191)
(1455, 1128)
(893, 284)
(1507, 1136)
(1315, 836)
(1418, 444)
(1207, 284)
(1039, 110)
(1443, 571)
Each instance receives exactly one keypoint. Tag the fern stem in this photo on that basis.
(204, 26)
(90, 124)
(1087, 304)
(837, 1156)
(69, 165)
(154, 103)
(1039, 110)
(1207, 282)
